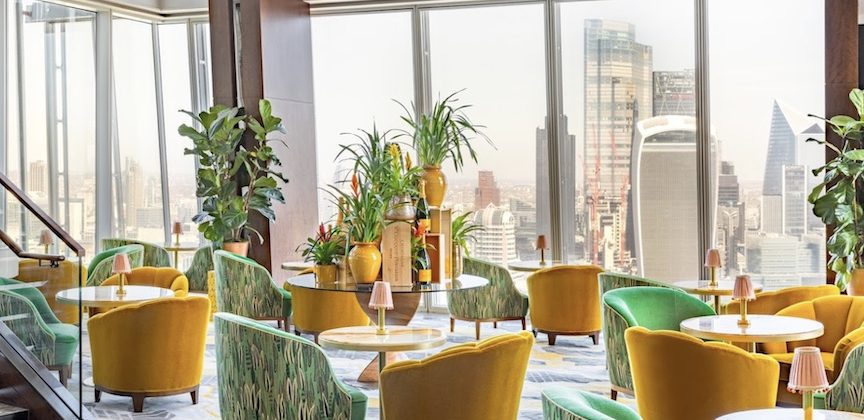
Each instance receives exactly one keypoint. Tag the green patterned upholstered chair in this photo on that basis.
(265, 373)
(847, 392)
(51, 341)
(100, 266)
(244, 287)
(655, 308)
(562, 403)
(202, 262)
(154, 255)
(499, 301)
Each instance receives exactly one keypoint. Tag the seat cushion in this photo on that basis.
(358, 403)
(785, 360)
(65, 343)
(286, 302)
(559, 401)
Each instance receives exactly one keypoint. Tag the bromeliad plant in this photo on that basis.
(326, 247)
(837, 199)
(222, 156)
(363, 210)
(401, 176)
(381, 164)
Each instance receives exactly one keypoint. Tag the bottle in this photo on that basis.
(424, 263)
(422, 215)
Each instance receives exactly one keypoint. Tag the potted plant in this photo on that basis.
(363, 211)
(443, 134)
(400, 185)
(837, 199)
(462, 230)
(324, 250)
(221, 155)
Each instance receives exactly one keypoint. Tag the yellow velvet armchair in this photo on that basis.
(316, 311)
(565, 300)
(164, 277)
(842, 317)
(474, 381)
(679, 377)
(768, 303)
(65, 275)
(150, 349)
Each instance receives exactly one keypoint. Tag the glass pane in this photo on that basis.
(497, 55)
(765, 227)
(358, 73)
(628, 86)
(138, 194)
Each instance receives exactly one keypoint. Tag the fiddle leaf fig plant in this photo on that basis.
(837, 199)
(234, 180)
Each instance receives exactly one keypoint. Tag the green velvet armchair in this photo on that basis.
(655, 308)
(202, 262)
(243, 287)
(101, 265)
(562, 403)
(33, 322)
(847, 392)
(266, 373)
(499, 301)
(154, 255)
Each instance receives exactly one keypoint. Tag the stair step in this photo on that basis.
(8, 412)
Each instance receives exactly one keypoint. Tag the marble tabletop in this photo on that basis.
(465, 281)
(703, 287)
(762, 328)
(398, 338)
(789, 413)
(106, 296)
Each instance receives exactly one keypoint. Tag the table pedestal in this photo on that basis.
(404, 307)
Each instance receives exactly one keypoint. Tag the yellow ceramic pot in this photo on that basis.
(436, 185)
(365, 262)
(855, 285)
(239, 248)
(325, 273)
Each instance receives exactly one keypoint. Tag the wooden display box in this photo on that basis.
(396, 254)
(441, 225)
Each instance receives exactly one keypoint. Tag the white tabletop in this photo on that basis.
(789, 413)
(106, 296)
(703, 287)
(532, 265)
(297, 265)
(762, 328)
(399, 338)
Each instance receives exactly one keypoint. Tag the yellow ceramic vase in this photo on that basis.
(325, 273)
(436, 185)
(365, 262)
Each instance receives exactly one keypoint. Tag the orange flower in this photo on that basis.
(355, 184)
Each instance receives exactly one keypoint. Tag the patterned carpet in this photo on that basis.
(573, 361)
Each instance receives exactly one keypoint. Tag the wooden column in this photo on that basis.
(276, 63)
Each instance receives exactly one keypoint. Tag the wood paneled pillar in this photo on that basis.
(276, 64)
(841, 66)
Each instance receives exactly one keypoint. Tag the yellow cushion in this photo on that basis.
(678, 377)
(768, 303)
(320, 310)
(474, 381)
(164, 277)
(565, 299)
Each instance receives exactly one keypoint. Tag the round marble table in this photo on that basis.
(704, 288)
(789, 413)
(398, 338)
(177, 249)
(762, 329)
(104, 297)
(297, 265)
(531, 265)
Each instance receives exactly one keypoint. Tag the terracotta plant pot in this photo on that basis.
(326, 273)
(436, 185)
(365, 262)
(239, 248)
(855, 285)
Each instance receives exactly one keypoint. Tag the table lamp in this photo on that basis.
(712, 261)
(381, 299)
(541, 245)
(177, 229)
(121, 267)
(743, 292)
(807, 375)
(45, 239)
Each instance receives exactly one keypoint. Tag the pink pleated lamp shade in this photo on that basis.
(177, 229)
(121, 264)
(808, 371)
(712, 258)
(743, 288)
(45, 238)
(541, 242)
(382, 296)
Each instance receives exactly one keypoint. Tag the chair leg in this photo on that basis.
(477, 329)
(523, 323)
(533, 331)
(279, 323)
(452, 324)
(97, 395)
(138, 403)
(494, 324)
(315, 337)
(614, 395)
(64, 374)
(287, 324)
(552, 338)
(194, 395)
(596, 337)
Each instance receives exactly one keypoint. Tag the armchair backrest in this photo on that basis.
(289, 376)
(840, 315)
(35, 297)
(565, 298)
(655, 308)
(677, 376)
(164, 277)
(500, 299)
(101, 265)
(154, 255)
(611, 281)
(202, 262)
(845, 393)
(481, 380)
(769, 303)
(28, 325)
(244, 287)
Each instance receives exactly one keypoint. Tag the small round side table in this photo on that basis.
(789, 414)
(398, 338)
(704, 288)
(762, 329)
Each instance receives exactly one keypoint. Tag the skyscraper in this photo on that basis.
(37, 177)
(789, 129)
(663, 197)
(618, 92)
(728, 189)
(134, 188)
(675, 93)
(566, 161)
(487, 191)
(794, 197)
(496, 243)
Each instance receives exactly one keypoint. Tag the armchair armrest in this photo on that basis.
(844, 348)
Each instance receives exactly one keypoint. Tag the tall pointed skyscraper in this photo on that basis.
(567, 162)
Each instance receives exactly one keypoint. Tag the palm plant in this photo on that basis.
(369, 156)
(462, 230)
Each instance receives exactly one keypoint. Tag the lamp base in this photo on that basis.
(743, 322)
